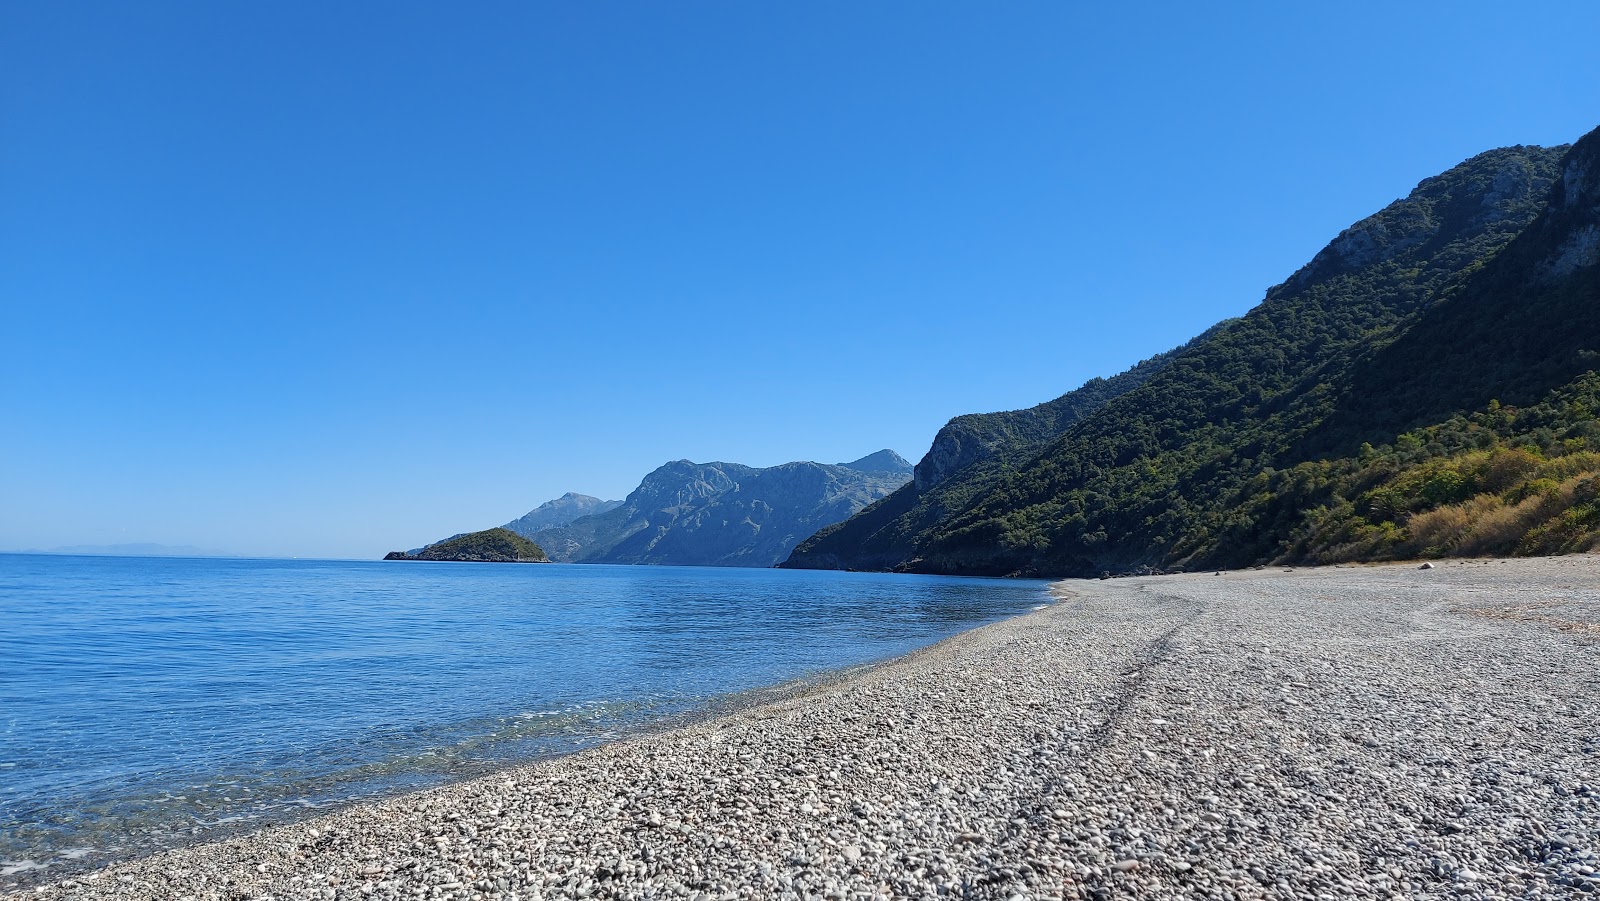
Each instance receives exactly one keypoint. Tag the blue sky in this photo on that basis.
(333, 279)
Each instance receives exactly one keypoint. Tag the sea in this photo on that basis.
(147, 702)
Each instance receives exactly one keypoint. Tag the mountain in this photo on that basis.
(548, 515)
(489, 546)
(883, 461)
(977, 437)
(1421, 387)
(980, 447)
(559, 512)
(724, 514)
(137, 549)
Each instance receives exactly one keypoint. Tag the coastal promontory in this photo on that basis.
(488, 546)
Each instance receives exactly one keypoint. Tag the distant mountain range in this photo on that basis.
(133, 549)
(559, 512)
(710, 514)
(1424, 386)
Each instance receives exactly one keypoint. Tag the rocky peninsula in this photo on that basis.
(489, 546)
(1342, 732)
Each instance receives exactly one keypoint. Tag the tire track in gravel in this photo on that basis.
(1043, 809)
(1112, 711)
(1137, 679)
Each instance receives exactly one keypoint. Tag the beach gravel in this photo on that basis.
(1333, 733)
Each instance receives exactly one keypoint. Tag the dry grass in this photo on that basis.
(1551, 518)
(1441, 531)
(1517, 503)
(1500, 529)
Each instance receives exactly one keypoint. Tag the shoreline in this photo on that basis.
(729, 704)
(1159, 736)
(79, 864)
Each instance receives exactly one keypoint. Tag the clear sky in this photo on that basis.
(330, 279)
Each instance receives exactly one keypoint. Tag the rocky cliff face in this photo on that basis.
(956, 446)
(1573, 219)
(723, 514)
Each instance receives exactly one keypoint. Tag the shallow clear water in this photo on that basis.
(147, 700)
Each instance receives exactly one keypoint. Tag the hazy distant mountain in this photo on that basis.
(548, 515)
(724, 514)
(559, 512)
(135, 549)
(883, 461)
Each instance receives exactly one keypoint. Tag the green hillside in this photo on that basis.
(489, 546)
(967, 456)
(1348, 416)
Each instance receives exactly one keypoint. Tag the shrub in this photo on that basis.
(1437, 532)
(1507, 467)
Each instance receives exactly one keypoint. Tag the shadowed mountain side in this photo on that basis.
(1529, 321)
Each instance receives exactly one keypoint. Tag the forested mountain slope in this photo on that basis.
(1239, 445)
(968, 454)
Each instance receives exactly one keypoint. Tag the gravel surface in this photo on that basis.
(1360, 732)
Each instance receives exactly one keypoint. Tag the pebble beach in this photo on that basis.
(1378, 732)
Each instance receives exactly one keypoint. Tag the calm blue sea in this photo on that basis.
(146, 701)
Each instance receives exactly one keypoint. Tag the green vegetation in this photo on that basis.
(1011, 435)
(1502, 482)
(489, 546)
(968, 455)
(1335, 421)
